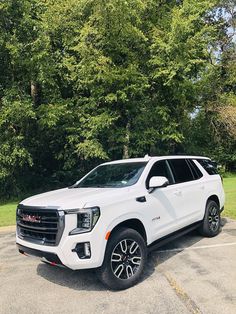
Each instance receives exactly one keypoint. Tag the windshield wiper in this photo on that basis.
(74, 186)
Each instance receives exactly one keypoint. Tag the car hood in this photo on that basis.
(69, 198)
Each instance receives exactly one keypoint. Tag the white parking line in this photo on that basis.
(196, 247)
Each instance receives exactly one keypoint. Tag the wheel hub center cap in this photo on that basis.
(125, 258)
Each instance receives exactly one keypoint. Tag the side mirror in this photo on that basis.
(157, 182)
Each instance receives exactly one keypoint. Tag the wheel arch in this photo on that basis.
(214, 198)
(133, 223)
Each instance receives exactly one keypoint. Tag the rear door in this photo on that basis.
(189, 191)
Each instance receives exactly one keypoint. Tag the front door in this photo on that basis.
(161, 202)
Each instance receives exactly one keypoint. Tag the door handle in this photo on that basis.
(178, 193)
(141, 199)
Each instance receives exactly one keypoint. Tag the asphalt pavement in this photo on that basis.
(190, 275)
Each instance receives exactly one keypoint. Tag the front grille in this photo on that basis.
(39, 225)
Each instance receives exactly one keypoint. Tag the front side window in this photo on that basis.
(181, 170)
(160, 168)
(113, 175)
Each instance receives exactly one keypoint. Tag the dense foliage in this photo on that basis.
(91, 80)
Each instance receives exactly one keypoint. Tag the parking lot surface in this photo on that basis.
(190, 275)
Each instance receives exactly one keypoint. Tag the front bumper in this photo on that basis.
(49, 257)
(64, 253)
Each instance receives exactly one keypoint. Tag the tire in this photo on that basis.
(124, 261)
(211, 223)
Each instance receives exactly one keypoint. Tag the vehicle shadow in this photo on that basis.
(87, 279)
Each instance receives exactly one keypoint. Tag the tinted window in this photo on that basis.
(113, 175)
(181, 170)
(160, 168)
(208, 165)
(194, 168)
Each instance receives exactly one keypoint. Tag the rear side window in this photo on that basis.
(181, 170)
(195, 170)
(209, 165)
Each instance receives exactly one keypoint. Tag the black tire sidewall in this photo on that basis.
(206, 227)
(105, 272)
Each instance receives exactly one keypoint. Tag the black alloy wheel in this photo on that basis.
(125, 259)
(211, 223)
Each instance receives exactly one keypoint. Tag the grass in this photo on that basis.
(8, 214)
(230, 193)
(8, 210)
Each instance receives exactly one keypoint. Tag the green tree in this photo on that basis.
(212, 131)
(91, 80)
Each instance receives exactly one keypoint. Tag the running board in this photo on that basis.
(173, 236)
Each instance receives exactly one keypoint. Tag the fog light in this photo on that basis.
(83, 250)
(87, 252)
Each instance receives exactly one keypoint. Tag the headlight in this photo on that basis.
(86, 219)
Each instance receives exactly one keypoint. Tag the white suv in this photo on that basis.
(118, 212)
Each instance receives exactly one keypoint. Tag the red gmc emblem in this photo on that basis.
(31, 218)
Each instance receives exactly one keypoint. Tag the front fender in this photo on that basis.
(132, 215)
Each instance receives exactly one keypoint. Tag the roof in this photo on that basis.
(147, 158)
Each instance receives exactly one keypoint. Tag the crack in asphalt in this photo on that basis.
(182, 295)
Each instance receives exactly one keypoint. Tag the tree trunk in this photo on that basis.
(127, 141)
(35, 93)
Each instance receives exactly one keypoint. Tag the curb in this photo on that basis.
(8, 229)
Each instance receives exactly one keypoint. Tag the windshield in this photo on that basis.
(113, 175)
